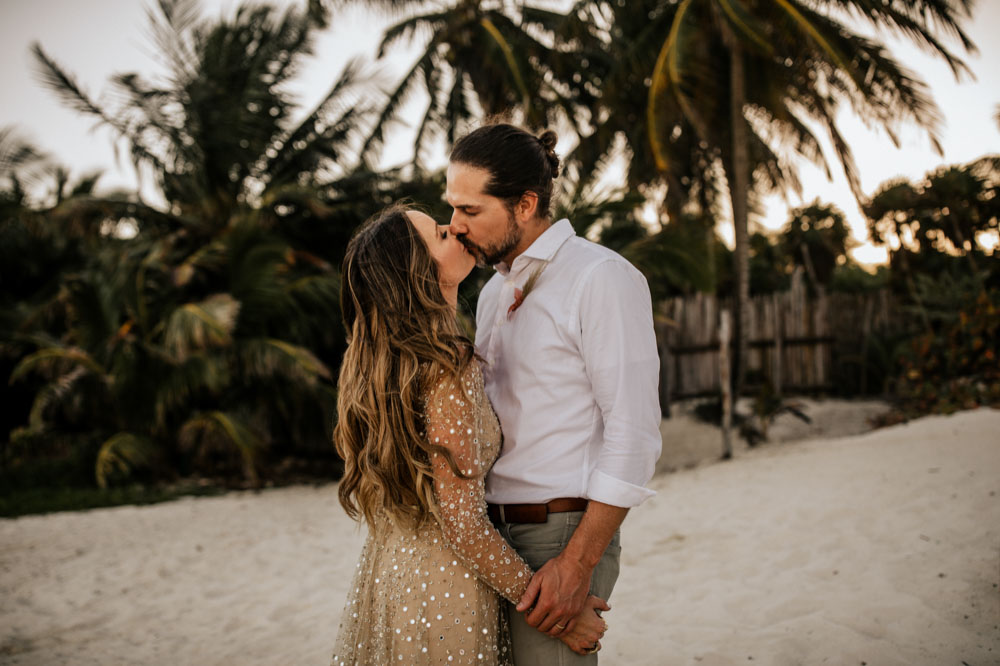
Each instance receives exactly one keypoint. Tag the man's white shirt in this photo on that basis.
(572, 374)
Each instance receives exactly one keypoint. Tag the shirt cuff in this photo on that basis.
(607, 489)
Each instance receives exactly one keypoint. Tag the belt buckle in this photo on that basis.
(503, 518)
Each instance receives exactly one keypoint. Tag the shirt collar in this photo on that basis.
(545, 246)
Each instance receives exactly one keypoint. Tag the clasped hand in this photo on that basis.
(558, 604)
(589, 627)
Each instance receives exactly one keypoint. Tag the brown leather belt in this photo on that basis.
(533, 513)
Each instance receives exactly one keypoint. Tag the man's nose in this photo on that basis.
(455, 226)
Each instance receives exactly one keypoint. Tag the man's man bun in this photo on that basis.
(549, 139)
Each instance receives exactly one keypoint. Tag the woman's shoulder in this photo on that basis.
(464, 380)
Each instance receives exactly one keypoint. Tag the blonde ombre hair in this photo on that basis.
(402, 335)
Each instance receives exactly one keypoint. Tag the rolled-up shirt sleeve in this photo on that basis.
(618, 345)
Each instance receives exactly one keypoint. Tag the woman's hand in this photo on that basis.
(589, 627)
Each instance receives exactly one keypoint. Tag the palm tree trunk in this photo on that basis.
(739, 187)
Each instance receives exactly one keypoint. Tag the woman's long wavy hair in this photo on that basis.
(401, 335)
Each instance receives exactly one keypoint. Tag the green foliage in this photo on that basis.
(770, 266)
(852, 278)
(767, 406)
(202, 341)
(121, 454)
(679, 259)
(817, 238)
(955, 364)
(45, 498)
(938, 225)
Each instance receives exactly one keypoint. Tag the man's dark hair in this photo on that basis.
(516, 160)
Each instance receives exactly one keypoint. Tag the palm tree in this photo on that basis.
(621, 41)
(481, 59)
(39, 256)
(940, 219)
(817, 239)
(207, 338)
(748, 76)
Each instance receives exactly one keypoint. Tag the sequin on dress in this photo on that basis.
(432, 595)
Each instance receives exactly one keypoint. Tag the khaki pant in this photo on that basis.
(537, 543)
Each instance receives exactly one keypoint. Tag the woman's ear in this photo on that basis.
(525, 209)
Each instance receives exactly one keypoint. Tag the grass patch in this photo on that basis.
(28, 501)
(66, 483)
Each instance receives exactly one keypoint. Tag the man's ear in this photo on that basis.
(525, 209)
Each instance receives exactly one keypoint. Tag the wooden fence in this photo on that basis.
(794, 339)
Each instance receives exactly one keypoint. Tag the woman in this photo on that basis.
(417, 435)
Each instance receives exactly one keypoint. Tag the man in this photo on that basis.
(565, 327)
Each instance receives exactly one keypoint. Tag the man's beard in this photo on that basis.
(491, 255)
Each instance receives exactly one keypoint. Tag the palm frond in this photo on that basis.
(218, 432)
(121, 454)
(65, 86)
(508, 54)
(667, 77)
(52, 394)
(316, 137)
(746, 23)
(171, 28)
(16, 153)
(917, 21)
(57, 360)
(395, 100)
(202, 375)
(407, 29)
(264, 358)
(196, 326)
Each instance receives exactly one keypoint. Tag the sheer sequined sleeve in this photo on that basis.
(454, 415)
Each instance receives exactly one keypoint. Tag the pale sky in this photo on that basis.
(96, 38)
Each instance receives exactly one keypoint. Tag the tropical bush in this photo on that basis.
(198, 337)
(953, 364)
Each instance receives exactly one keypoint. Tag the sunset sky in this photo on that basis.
(97, 38)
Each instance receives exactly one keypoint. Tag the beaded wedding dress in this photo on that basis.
(432, 595)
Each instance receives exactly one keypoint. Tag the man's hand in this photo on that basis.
(555, 595)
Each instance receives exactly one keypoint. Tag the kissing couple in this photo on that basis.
(493, 476)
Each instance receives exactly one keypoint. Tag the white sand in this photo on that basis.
(877, 549)
(691, 442)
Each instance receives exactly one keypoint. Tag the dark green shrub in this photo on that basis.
(953, 365)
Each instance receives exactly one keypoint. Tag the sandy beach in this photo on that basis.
(877, 549)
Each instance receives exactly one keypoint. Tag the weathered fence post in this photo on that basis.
(866, 332)
(725, 385)
(778, 324)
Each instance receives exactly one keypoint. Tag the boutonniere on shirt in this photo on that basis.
(521, 294)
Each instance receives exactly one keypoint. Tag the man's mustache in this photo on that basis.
(470, 246)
